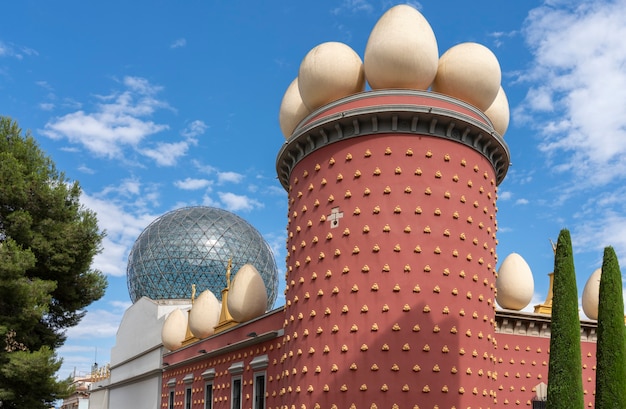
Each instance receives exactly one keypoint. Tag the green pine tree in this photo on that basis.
(47, 243)
(611, 347)
(565, 389)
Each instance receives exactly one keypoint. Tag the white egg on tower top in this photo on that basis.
(469, 72)
(292, 109)
(401, 51)
(498, 112)
(328, 72)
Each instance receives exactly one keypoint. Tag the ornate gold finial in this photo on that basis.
(228, 268)
(193, 293)
(226, 320)
(546, 306)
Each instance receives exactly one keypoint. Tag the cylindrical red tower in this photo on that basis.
(391, 254)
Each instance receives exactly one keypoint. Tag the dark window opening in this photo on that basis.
(259, 391)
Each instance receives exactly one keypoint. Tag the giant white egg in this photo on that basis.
(515, 283)
(328, 72)
(591, 295)
(498, 113)
(174, 330)
(247, 297)
(469, 72)
(204, 315)
(401, 51)
(292, 109)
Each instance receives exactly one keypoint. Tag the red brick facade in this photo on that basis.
(390, 283)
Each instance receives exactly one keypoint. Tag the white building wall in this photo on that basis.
(144, 394)
(99, 398)
(135, 381)
(140, 329)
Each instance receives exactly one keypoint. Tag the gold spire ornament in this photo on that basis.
(546, 307)
(226, 320)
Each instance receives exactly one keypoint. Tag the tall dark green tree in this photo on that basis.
(47, 243)
(565, 388)
(611, 346)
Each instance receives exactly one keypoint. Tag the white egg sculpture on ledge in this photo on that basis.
(247, 297)
(174, 330)
(469, 72)
(328, 72)
(204, 314)
(591, 295)
(515, 283)
(498, 113)
(292, 109)
(401, 51)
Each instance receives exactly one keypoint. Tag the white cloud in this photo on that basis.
(521, 201)
(578, 76)
(276, 241)
(234, 202)
(353, 6)
(79, 359)
(223, 177)
(122, 229)
(86, 169)
(181, 42)
(601, 222)
(121, 305)
(229, 177)
(505, 195)
(207, 169)
(209, 201)
(192, 184)
(16, 51)
(126, 188)
(413, 3)
(46, 106)
(195, 128)
(98, 323)
(595, 234)
(167, 154)
(499, 36)
(120, 120)
(44, 85)
(275, 190)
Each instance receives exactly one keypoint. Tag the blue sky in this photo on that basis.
(156, 105)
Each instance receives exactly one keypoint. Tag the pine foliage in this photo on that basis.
(47, 243)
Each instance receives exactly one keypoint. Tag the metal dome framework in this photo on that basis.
(192, 246)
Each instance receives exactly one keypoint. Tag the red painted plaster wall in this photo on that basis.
(394, 305)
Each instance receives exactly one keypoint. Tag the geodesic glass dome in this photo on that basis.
(192, 246)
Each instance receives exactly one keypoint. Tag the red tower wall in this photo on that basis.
(391, 305)
(524, 354)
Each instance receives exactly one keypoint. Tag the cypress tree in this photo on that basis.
(565, 389)
(611, 346)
